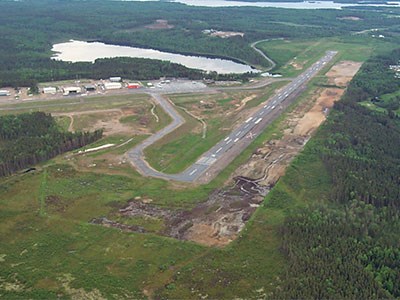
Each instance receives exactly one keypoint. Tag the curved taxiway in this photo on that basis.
(221, 154)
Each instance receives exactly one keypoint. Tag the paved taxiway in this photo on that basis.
(242, 135)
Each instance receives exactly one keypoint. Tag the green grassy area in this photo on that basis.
(75, 104)
(305, 52)
(281, 51)
(150, 121)
(181, 148)
(161, 154)
(73, 199)
(258, 100)
(50, 250)
(386, 102)
(63, 122)
(390, 101)
(372, 106)
(251, 266)
(86, 121)
(153, 225)
(113, 262)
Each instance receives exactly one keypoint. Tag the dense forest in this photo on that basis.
(376, 80)
(350, 247)
(30, 138)
(128, 68)
(29, 28)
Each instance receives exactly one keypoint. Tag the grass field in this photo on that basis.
(50, 250)
(250, 267)
(121, 263)
(181, 148)
(387, 102)
(63, 122)
(302, 53)
(75, 104)
(56, 252)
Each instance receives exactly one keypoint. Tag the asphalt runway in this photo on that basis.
(221, 154)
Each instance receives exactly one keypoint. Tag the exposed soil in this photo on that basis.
(226, 34)
(159, 24)
(341, 73)
(269, 162)
(109, 121)
(317, 114)
(244, 101)
(351, 18)
(218, 221)
(215, 222)
(108, 223)
(297, 66)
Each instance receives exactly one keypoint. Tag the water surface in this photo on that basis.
(78, 51)
(293, 5)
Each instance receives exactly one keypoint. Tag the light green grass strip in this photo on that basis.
(42, 194)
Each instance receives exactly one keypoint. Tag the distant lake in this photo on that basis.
(294, 5)
(78, 51)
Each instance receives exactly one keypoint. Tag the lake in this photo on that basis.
(79, 51)
(293, 5)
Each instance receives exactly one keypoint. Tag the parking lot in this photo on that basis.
(153, 86)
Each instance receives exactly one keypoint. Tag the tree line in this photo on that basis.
(31, 138)
(30, 28)
(348, 247)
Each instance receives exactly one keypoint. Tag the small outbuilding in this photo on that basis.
(49, 90)
(71, 90)
(112, 85)
(4, 93)
(115, 79)
(134, 85)
(90, 87)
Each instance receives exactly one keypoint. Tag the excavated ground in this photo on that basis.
(218, 221)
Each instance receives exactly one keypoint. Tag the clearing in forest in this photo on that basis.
(218, 221)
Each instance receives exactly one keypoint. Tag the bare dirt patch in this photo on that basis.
(269, 162)
(244, 101)
(296, 65)
(219, 220)
(351, 18)
(261, 172)
(108, 120)
(313, 118)
(111, 125)
(226, 34)
(105, 163)
(159, 24)
(215, 222)
(341, 73)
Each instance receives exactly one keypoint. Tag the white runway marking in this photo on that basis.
(206, 161)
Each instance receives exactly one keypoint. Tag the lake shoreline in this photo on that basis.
(85, 51)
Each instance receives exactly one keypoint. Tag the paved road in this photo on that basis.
(239, 138)
(175, 87)
(136, 154)
(271, 62)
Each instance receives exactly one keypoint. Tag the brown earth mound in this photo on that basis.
(219, 220)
